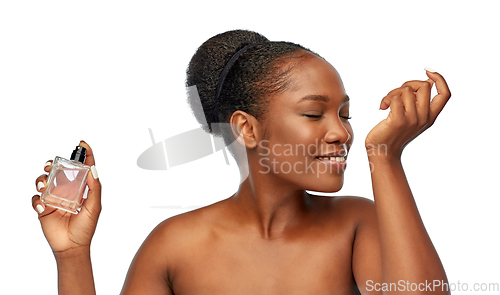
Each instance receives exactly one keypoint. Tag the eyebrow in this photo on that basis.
(320, 98)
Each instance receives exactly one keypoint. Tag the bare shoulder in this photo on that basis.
(171, 242)
(353, 202)
(361, 210)
(351, 208)
(186, 229)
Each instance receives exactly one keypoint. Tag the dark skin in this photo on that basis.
(271, 237)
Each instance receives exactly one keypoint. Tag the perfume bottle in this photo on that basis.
(67, 181)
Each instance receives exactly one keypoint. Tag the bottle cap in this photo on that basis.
(78, 154)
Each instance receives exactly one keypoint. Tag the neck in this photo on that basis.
(266, 203)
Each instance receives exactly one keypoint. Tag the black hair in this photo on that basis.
(256, 74)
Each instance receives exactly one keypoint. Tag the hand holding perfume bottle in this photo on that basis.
(68, 219)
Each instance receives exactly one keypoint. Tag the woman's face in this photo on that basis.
(308, 133)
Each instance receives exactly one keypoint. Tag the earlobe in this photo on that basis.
(243, 126)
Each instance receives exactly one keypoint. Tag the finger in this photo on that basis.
(395, 91)
(416, 84)
(41, 183)
(48, 166)
(89, 156)
(93, 202)
(439, 101)
(37, 204)
(396, 105)
(89, 159)
(409, 101)
(386, 101)
(423, 102)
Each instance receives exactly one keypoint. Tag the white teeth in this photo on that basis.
(337, 159)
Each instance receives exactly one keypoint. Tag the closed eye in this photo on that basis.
(313, 116)
(319, 116)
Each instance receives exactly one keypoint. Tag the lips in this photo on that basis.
(338, 156)
(325, 158)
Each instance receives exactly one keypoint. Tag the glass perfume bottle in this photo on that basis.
(67, 181)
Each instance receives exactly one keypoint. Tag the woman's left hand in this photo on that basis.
(412, 112)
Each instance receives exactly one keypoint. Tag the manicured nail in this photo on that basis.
(47, 164)
(39, 208)
(94, 172)
(429, 70)
(40, 185)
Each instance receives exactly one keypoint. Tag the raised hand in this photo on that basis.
(66, 231)
(411, 113)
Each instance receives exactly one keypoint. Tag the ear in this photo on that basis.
(245, 129)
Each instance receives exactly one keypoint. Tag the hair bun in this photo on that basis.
(206, 66)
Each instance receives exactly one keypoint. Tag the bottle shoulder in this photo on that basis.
(60, 162)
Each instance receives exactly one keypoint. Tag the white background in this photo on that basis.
(106, 71)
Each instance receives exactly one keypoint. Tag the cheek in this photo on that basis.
(297, 144)
(290, 130)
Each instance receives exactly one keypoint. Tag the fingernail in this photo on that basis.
(429, 70)
(39, 208)
(94, 172)
(47, 164)
(40, 185)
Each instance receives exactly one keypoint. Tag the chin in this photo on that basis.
(326, 185)
(326, 188)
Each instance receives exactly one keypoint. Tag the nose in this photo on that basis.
(337, 132)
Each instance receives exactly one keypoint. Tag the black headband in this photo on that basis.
(223, 75)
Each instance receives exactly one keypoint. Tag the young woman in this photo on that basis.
(287, 109)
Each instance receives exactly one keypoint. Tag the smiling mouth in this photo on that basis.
(336, 159)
